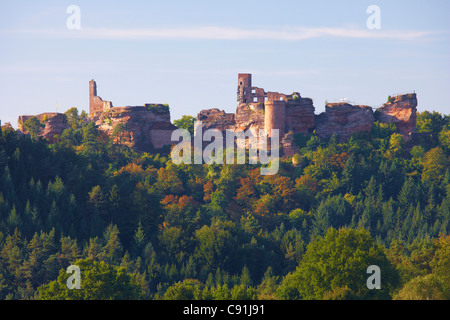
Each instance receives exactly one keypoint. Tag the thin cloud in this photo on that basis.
(226, 33)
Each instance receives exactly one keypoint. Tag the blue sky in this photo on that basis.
(188, 53)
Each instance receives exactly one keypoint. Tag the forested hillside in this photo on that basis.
(141, 227)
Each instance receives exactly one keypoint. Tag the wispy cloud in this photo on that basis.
(225, 33)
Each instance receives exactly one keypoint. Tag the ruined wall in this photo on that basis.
(246, 93)
(343, 119)
(243, 88)
(258, 110)
(96, 104)
(400, 110)
(275, 96)
(145, 128)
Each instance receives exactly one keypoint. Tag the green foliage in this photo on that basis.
(382, 131)
(163, 108)
(33, 126)
(435, 165)
(188, 289)
(100, 281)
(339, 262)
(430, 122)
(186, 122)
(444, 138)
(75, 120)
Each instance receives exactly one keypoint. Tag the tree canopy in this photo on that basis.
(141, 227)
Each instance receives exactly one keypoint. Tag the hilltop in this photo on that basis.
(148, 128)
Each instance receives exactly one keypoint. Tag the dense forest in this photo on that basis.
(140, 227)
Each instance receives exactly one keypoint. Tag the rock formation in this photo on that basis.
(292, 114)
(250, 116)
(400, 110)
(216, 119)
(148, 128)
(300, 114)
(144, 128)
(343, 120)
(54, 124)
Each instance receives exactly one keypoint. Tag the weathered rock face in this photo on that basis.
(142, 128)
(400, 110)
(289, 148)
(216, 119)
(250, 116)
(343, 119)
(55, 124)
(300, 115)
(148, 128)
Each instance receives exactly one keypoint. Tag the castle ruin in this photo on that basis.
(291, 114)
(148, 128)
(145, 128)
(96, 104)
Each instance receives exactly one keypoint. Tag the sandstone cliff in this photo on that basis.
(250, 116)
(147, 128)
(216, 119)
(343, 119)
(143, 128)
(300, 115)
(400, 110)
(54, 124)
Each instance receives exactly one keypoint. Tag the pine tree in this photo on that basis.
(139, 240)
(112, 250)
(14, 220)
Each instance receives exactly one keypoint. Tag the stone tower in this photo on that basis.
(244, 88)
(274, 116)
(96, 104)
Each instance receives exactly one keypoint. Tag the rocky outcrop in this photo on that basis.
(400, 110)
(53, 125)
(148, 128)
(216, 119)
(250, 116)
(343, 119)
(300, 115)
(144, 128)
(288, 145)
